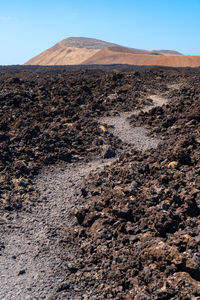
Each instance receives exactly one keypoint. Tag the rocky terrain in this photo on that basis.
(99, 183)
(87, 51)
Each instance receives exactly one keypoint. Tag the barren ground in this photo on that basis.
(77, 225)
(31, 264)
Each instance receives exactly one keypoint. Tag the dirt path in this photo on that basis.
(137, 136)
(30, 265)
(29, 259)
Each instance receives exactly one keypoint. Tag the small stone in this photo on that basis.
(84, 192)
(21, 272)
(108, 152)
(73, 269)
(173, 165)
(112, 96)
(63, 287)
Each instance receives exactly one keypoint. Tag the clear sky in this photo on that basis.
(28, 27)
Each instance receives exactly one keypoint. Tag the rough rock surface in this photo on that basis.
(126, 231)
(49, 115)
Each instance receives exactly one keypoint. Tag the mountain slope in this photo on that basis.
(70, 51)
(75, 51)
(108, 56)
(62, 56)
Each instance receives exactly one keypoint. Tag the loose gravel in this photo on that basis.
(30, 260)
(134, 136)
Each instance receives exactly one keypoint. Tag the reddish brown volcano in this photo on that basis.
(76, 51)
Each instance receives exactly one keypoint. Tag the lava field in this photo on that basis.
(135, 228)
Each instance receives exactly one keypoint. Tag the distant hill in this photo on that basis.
(79, 50)
(110, 56)
(168, 52)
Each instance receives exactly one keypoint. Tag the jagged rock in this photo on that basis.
(137, 232)
(108, 152)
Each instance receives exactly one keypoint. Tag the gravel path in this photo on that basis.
(30, 261)
(135, 136)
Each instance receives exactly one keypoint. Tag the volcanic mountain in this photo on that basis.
(87, 51)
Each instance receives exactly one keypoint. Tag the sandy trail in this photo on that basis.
(30, 264)
(135, 136)
(29, 259)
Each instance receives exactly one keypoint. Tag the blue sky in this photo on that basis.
(27, 27)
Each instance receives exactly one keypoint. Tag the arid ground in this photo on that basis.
(100, 182)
